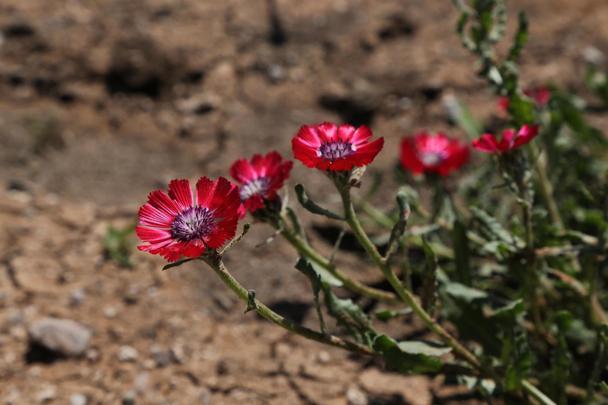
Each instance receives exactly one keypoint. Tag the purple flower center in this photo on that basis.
(336, 150)
(257, 186)
(193, 223)
(431, 158)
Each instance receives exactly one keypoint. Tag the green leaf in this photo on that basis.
(518, 359)
(308, 268)
(464, 292)
(409, 357)
(417, 347)
(388, 314)
(509, 312)
(346, 311)
(522, 110)
(311, 206)
(494, 231)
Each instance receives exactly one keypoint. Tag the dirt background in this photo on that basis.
(103, 101)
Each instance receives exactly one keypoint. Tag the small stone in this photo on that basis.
(162, 358)
(323, 357)
(132, 295)
(61, 335)
(141, 382)
(177, 353)
(110, 312)
(92, 355)
(276, 73)
(355, 396)
(78, 399)
(205, 396)
(127, 353)
(77, 297)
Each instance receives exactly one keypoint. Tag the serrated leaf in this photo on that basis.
(313, 207)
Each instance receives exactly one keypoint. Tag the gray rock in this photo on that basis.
(61, 335)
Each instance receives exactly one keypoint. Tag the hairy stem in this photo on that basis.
(405, 295)
(220, 269)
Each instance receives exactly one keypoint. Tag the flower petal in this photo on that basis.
(486, 143)
(181, 193)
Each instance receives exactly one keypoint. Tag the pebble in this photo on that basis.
(141, 382)
(127, 353)
(65, 336)
(355, 396)
(110, 312)
(77, 297)
(78, 399)
(162, 358)
(323, 357)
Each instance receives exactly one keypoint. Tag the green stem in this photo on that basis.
(546, 191)
(355, 286)
(405, 295)
(220, 269)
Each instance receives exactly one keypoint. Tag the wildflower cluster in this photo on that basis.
(519, 274)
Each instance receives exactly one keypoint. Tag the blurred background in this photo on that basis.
(102, 101)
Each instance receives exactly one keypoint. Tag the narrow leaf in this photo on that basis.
(408, 357)
(311, 206)
(177, 263)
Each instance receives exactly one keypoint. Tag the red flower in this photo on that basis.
(433, 153)
(260, 178)
(186, 224)
(488, 143)
(327, 146)
(540, 95)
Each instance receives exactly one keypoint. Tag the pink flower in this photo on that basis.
(331, 147)
(433, 154)
(260, 178)
(187, 224)
(488, 143)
